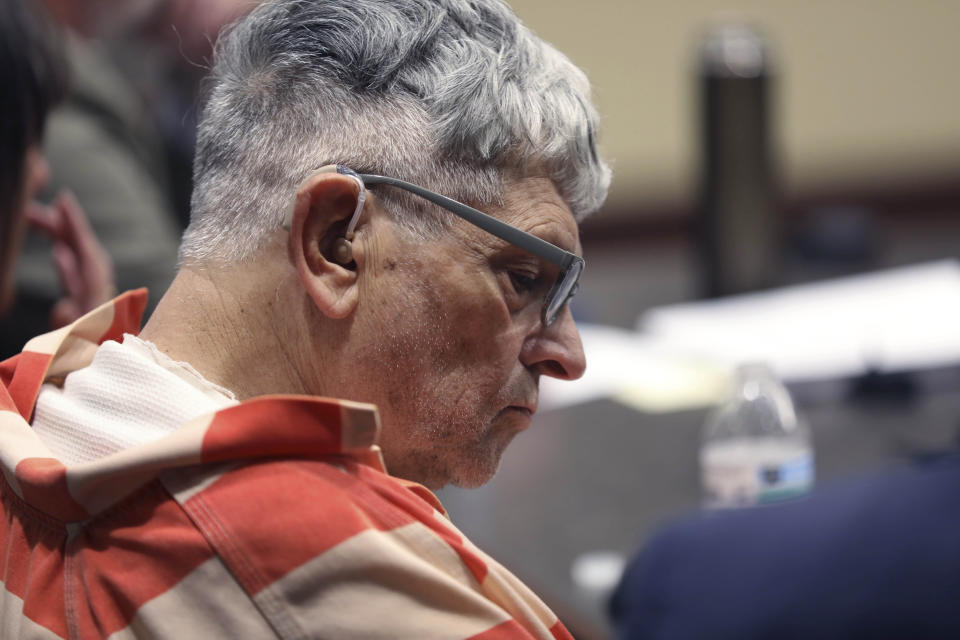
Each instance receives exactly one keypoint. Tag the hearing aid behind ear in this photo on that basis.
(342, 247)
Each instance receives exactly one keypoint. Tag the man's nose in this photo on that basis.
(556, 350)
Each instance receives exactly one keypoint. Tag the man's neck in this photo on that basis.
(207, 319)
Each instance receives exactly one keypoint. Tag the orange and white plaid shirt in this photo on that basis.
(273, 518)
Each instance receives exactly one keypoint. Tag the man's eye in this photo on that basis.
(522, 282)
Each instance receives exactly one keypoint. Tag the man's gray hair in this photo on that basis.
(456, 95)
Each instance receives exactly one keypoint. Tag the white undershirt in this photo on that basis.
(130, 394)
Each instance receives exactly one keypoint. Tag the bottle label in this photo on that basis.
(789, 479)
(738, 476)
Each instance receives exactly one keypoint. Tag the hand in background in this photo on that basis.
(84, 267)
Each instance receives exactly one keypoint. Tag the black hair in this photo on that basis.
(33, 78)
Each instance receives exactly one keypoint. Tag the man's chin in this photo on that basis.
(465, 478)
(480, 470)
(473, 481)
(468, 467)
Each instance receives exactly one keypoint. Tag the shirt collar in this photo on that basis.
(267, 426)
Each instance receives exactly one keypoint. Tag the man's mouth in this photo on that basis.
(527, 407)
(520, 417)
(528, 402)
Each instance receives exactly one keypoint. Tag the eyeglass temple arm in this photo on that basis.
(502, 230)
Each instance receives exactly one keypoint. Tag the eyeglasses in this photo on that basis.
(571, 265)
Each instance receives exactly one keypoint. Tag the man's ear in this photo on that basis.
(323, 207)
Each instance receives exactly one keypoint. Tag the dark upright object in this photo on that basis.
(739, 224)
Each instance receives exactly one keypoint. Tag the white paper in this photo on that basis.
(639, 371)
(899, 319)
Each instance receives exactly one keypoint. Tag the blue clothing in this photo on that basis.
(874, 558)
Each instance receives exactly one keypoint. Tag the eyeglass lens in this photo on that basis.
(562, 292)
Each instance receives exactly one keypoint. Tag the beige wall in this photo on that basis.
(868, 90)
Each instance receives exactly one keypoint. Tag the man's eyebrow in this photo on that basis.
(551, 232)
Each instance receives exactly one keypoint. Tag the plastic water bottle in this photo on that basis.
(755, 450)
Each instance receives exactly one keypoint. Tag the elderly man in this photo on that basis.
(339, 335)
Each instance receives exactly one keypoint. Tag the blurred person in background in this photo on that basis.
(34, 79)
(338, 341)
(876, 557)
(167, 58)
(107, 143)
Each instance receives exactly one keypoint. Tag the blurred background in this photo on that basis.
(863, 117)
(864, 96)
(786, 189)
